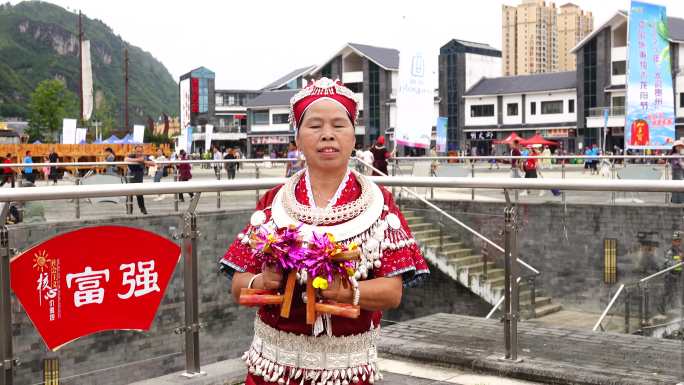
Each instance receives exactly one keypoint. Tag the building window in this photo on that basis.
(481, 110)
(552, 107)
(512, 109)
(231, 100)
(618, 101)
(373, 121)
(260, 117)
(280, 118)
(533, 108)
(219, 99)
(681, 99)
(571, 106)
(355, 87)
(619, 67)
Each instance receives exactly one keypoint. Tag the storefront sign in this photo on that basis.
(441, 137)
(93, 279)
(481, 135)
(270, 139)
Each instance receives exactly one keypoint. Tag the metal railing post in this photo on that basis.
(394, 173)
(612, 176)
(472, 175)
(7, 361)
(175, 196)
(642, 317)
(563, 177)
(218, 193)
(256, 176)
(190, 236)
(667, 177)
(628, 299)
(532, 281)
(647, 305)
(77, 202)
(510, 282)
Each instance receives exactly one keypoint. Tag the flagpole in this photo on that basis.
(80, 61)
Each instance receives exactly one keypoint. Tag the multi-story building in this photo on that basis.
(544, 103)
(461, 65)
(369, 72)
(267, 114)
(573, 25)
(601, 76)
(537, 39)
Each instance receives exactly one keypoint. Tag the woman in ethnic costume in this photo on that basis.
(326, 197)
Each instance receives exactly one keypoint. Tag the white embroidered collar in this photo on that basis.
(342, 231)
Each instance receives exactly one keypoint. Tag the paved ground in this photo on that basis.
(59, 210)
(550, 355)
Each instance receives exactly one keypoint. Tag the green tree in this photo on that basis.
(105, 115)
(50, 103)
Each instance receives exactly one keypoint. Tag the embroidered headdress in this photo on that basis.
(320, 89)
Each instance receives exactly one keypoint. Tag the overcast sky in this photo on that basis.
(249, 43)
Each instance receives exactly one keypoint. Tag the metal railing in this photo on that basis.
(612, 111)
(189, 234)
(641, 286)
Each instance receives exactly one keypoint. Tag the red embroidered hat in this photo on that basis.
(323, 88)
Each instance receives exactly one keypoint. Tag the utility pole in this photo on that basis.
(126, 88)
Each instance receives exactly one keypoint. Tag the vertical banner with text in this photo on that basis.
(415, 92)
(649, 121)
(441, 139)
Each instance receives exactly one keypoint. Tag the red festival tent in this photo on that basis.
(537, 139)
(509, 139)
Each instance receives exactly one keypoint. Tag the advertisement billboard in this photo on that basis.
(649, 121)
(441, 140)
(113, 280)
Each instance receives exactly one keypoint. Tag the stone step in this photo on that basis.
(476, 268)
(541, 311)
(420, 226)
(413, 220)
(466, 260)
(426, 233)
(457, 253)
(432, 241)
(450, 242)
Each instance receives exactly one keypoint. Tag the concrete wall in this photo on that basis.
(572, 267)
(125, 356)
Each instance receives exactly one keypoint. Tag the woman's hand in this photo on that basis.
(339, 291)
(271, 278)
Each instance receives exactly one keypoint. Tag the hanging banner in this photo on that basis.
(87, 71)
(184, 103)
(208, 133)
(441, 140)
(69, 131)
(415, 92)
(138, 133)
(81, 134)
(188, 139)
(93, 279)
(650, 119)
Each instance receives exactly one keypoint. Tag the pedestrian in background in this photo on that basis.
(230, 166)
(160, 171)
(53, 157)
(380, 156)
(27, 172)
(677, 165)
(136, 172)
(184, 173)
(7, 172)
(110, 157)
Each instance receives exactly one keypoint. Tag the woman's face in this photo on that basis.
(326, 136)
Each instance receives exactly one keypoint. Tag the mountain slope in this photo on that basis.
(39, 41)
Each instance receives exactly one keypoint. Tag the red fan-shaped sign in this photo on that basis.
(93, 279)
